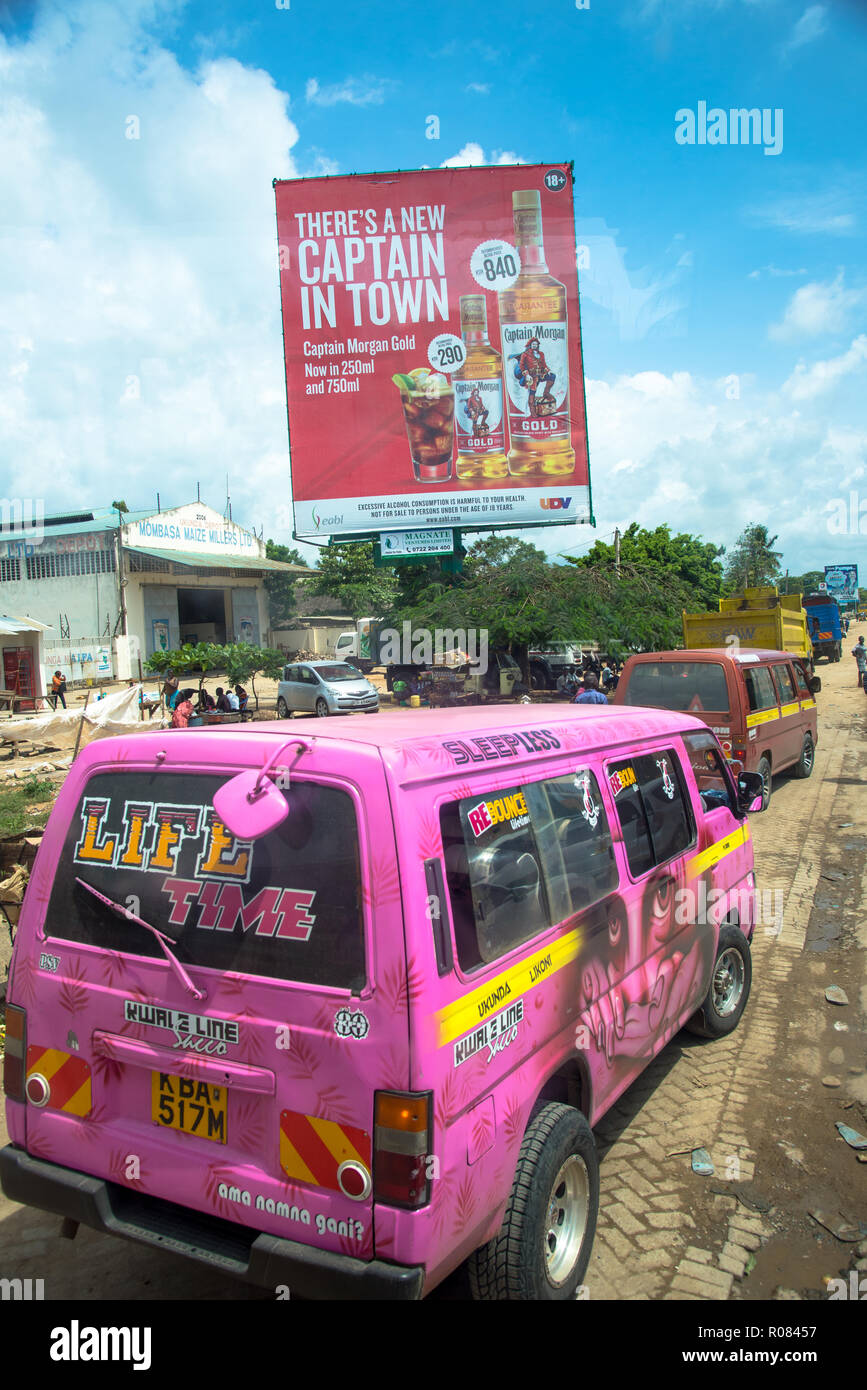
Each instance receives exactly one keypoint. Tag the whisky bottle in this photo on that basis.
(481, 429)
(534, 333)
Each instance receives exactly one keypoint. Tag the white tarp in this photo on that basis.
(116, 714)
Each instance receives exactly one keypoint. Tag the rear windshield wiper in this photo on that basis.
(161, 937)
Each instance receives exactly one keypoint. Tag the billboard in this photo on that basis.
(434, 375)
(841, 581)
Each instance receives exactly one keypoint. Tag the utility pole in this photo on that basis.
(617, 552)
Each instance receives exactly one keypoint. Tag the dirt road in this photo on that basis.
(761, 1102)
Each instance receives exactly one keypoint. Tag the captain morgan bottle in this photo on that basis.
(534, 334)
(479, 422)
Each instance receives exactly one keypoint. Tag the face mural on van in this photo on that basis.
(630, 962)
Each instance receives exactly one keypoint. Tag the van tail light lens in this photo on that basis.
(15, 1053)
(402, 1138)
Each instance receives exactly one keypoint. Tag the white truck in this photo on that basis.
(354, 645)
(547, 662)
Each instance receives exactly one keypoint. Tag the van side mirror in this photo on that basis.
(251, 805)
(815, 684)
(751, 791)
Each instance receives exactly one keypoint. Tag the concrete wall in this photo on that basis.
(88, 602)
(321, 640)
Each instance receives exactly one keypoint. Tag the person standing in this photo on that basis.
(859, 651)
(591, 694)
(58, 688)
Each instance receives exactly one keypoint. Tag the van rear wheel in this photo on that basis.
(282, 709)
(542, 1249)
(721, 1009)
(804, 766)
(764, 771)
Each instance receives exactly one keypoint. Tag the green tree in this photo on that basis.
(807, 583)
(752, 562)
(347, 573)
(696, 563)
(281, 588)
(507, 588)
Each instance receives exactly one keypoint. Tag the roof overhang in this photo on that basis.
(196, 559)
(9, 626)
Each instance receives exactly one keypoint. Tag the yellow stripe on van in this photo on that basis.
(808, 704)
(472, 1009)
(790, 709)
(762, 716)
(716, 852)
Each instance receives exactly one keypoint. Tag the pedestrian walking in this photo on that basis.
(859, 651)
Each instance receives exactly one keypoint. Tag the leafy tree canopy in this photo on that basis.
(693, 561)
(281, 588)
(348, 574)
(752, 562)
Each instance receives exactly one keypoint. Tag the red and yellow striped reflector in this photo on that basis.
(68, 1078)
(312, 1149)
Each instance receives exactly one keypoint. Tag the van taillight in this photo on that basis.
(16, 1051)
(401, 1161)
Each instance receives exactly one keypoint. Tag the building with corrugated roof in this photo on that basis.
(116, 587)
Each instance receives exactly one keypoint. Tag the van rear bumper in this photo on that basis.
(253, 1256)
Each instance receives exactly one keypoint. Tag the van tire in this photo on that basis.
(556, 1187)
(320, 709)
(283, 711)
(804, 766)
(729, 987)
(764, 771)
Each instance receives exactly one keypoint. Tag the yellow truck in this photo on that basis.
(757, 618)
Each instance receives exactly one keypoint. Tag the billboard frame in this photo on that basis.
(356, 538)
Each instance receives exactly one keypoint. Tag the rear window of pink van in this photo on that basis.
(288, 905)
(680, 685)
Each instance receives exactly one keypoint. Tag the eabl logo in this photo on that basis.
(554, 504)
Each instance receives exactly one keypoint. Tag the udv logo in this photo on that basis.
(554, 504)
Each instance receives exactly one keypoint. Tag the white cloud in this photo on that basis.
(807, 29)
(806, 383)
(674, 449)
(774, 271)
(139, 274)
(817, 309)
(480, 88)
(355, 91)
(812, 214)
(472, 155)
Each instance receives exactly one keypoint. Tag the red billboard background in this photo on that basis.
(373, 268)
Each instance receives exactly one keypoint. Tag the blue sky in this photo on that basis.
(723, 301)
